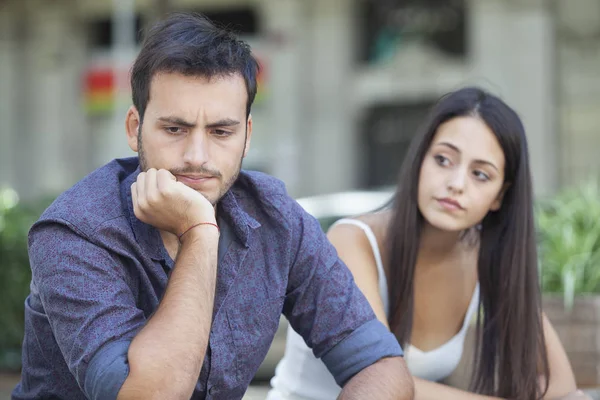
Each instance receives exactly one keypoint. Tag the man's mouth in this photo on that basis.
(194, 180)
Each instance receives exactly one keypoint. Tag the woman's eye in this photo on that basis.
(482, 176)
(441, 160)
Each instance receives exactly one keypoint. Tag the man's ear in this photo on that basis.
(248, 135)
(132, 127)
(498, 202)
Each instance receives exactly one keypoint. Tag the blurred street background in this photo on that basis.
(343, 87)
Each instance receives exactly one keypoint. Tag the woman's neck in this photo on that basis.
(437, 246)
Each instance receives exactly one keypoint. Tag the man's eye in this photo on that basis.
(173, 130)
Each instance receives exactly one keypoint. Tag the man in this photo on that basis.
(164, 276)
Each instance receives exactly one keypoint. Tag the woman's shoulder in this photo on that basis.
(355, 228)
(360, 234)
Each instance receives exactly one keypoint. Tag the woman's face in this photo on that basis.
(462, 175)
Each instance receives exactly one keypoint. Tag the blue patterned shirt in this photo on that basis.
(98, 274)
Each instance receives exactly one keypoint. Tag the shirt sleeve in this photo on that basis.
(89, 305)
(324, 305)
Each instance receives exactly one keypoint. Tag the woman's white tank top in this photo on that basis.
(301, 376)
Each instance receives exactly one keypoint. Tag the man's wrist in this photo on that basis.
(200, 232)
(197, 225)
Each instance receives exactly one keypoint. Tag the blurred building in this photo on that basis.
(344, 85)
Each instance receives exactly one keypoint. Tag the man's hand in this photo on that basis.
(159, 200)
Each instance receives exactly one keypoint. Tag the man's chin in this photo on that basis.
(208, 196)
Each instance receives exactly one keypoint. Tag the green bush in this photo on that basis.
(569, 241)
(15, 220)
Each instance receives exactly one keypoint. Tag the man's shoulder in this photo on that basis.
(95, 199)
(255, 183)
(260, 190)
(266, 199)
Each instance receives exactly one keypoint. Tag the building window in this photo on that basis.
(100, 32)
(386, 135)
(388, 25)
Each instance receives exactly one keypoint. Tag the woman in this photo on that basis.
(458, 237)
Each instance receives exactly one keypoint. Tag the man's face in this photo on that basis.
(196, 128)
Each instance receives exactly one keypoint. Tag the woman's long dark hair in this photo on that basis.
(510, 353)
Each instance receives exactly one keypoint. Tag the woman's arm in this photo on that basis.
(562, 381)
(426, 390)
(355, 251)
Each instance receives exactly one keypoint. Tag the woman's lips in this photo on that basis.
(450, 204)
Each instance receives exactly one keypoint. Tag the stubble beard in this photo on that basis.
(222, 190)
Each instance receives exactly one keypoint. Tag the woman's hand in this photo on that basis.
(577, 395)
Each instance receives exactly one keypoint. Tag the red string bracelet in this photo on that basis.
(198, 224)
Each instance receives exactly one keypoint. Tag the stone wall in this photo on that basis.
(578, 88)
(579, 332)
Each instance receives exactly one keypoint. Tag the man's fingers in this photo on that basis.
(165, 181)
(134, 199)
(167, 173)
(142, 201)
(152, 194)
(134, 193)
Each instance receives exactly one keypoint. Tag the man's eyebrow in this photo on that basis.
(223, 123)
(177, 121)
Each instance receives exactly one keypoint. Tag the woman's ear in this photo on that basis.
(498, 202)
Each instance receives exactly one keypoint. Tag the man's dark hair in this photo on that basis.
(189, 44)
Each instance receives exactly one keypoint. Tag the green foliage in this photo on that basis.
(569, 246)
(15, 220)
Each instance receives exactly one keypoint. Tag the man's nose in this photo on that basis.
(197, 149)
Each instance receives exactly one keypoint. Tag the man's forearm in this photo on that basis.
(386, 379)
(166, 356)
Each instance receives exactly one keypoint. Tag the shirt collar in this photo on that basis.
(239, 220)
